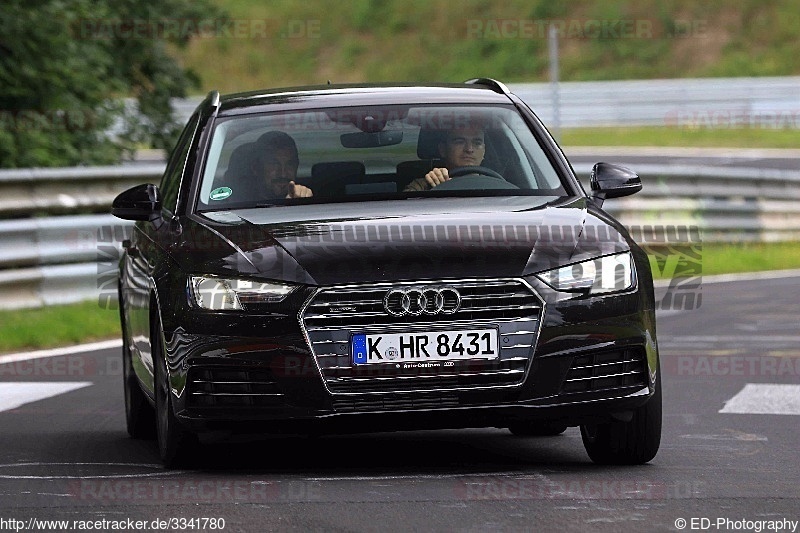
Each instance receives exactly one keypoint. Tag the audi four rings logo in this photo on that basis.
(418, 301)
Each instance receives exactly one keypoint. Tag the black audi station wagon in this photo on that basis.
(376, 258)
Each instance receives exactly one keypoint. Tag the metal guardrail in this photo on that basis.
(48, 285)
(52, 255)
(726, 204)
(66, 256)
(32, 242)
(692, 103)
(68, 190)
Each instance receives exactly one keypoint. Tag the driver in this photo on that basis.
(461, 147)
(277, 164)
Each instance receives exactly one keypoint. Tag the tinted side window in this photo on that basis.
(171, 182)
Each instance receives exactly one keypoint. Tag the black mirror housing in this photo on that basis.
(613, 181)
(142, 202)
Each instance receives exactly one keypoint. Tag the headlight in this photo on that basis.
(597, 276)
(223, 294)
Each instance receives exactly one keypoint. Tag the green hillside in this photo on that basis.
(290, 42)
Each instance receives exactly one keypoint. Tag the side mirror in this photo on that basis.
(613, 181)
(142, 202)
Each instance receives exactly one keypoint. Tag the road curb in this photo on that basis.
(56, 352)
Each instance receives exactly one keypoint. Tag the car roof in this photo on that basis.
(364, 94)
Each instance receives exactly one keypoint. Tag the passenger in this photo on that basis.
(277, 164)
(462, 147)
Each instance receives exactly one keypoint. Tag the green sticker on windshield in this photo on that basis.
(220, 193)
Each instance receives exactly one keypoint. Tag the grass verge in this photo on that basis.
(58, 325)
(62, 325)
(681, 137)
(720, 258)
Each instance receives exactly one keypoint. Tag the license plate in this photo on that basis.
(449, 345)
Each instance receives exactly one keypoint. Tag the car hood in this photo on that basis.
(427, 239)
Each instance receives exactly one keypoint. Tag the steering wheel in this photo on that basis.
(484, 171)
(474, 178)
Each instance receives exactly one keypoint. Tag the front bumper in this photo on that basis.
(590, 359)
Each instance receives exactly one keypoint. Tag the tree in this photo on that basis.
(66, 67)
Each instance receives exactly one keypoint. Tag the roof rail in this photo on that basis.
(494, 85)
(213, 97)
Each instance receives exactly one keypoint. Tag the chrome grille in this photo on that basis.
(617, 371)
(222, 387)
(395, 402)
(337, 313)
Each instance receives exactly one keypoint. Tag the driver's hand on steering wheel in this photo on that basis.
(437, 176)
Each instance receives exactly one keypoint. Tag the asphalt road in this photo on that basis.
(67, 456)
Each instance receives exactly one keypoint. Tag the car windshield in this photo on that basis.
(372, 153)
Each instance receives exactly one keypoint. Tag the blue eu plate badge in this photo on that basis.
(359, 343)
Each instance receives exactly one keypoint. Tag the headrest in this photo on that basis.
(241, 160)
(428, 143)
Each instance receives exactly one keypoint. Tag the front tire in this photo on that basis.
(176, 445)
(627, 443)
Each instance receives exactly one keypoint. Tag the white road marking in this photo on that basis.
(159, 470)
(737, 339)
(765, 399)
(748, 437)
(55, 352)
(393, 477)
(15, 394)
